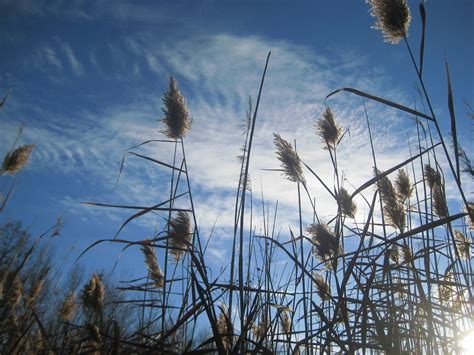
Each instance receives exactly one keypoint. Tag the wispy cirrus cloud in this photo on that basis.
(217, 73)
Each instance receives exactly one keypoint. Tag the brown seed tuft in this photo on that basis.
(153, 268)
(290, 161)
(392, 206)
(393, 18)
(286, 324)
(346, 204)
(68, 308)
(432, 176)
(177, 119)
(322, 287)
(326, 245)
(463, 244)
(180, 235)
(16, 160)
(224, 326)
(328, 129)
(403, 185)
(93, 294)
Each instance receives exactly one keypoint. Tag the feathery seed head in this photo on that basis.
(290, 160)
(153, 268)
(347, 205)
(432, 176)
(224, 326)
(15, 291)
(439, 201)
(463, 244)
(393, 18)
(322, 287)
(403, 185)
(328, 129)
(286, 323)
(180, 235)
(93, 294)
(326, 245)
(392, 206)
(68, 308)
(177, 118)
(16, 160)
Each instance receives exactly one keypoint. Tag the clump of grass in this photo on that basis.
(177, 118)
(328, 129)
(180, 234)
(346, 204)
(463, 244)
(93, 294)
(153, 267)
(326, 246)
(393, 18)
(290, 161)
(16, 160)
(392, 206)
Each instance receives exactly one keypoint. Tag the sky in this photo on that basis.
(87, 80)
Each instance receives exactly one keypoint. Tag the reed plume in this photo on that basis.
(93, 294)
(328, 129)
(286, 324)
(393, 18)
(432, 176)
(68, 308)
(15, 291)
(403, 185)
(290, 161)
(392, 206)
(439, 201)
(463, 244)
(322, 287)
(180, 234)
(326, 246)
(346, 204)
(153, 268)
(16, 160)
(224, 326)
(177, 119)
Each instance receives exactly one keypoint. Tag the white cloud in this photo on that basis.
(75, 64)
(217, 74)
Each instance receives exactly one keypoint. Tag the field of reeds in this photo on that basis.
(397, 279)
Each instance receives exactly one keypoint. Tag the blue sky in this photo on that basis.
(88, 77)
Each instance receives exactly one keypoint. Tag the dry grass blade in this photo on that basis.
(383, 101)
(452, 115)
(393, 18)
(290, 161)
(177, 119)
(16, 160)
(422, 44)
